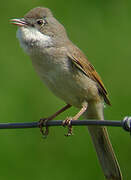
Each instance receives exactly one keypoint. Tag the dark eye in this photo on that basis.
(40, 21)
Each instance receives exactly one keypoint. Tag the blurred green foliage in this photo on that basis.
(102, 29)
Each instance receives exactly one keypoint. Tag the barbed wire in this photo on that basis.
(125, 124)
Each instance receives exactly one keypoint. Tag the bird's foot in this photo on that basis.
(43, 122)
(67, 122)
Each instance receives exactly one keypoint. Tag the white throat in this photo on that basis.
(30, 39)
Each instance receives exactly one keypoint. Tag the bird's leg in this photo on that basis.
(43, 121)
(67, 121)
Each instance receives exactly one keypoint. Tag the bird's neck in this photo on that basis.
(32, 40)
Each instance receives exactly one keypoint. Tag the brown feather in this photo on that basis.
(83, 64)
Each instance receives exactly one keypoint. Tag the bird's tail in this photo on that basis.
(102, 143)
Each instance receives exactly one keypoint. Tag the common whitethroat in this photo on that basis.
(64, 68)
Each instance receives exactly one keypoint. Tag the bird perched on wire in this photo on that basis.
(64, 68)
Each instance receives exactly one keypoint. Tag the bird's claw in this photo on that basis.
(42, 122)
(67, 122)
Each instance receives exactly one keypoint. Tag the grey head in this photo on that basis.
(39, 25)
(43, 20)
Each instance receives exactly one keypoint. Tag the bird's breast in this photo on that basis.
(64, 80)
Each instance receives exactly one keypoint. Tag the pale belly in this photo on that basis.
(69, 84)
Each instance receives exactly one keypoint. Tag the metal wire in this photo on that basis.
(125, 124)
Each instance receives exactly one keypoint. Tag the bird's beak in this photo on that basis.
(19, 22)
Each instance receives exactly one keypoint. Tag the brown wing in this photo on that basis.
(83, 64)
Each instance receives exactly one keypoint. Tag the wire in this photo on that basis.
(125, 124)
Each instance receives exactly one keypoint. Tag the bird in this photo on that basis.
(66, 71)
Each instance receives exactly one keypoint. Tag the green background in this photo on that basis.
(102, 29)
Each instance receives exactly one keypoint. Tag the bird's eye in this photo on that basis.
(40, 21)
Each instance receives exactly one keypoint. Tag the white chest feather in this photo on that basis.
(31, 38)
